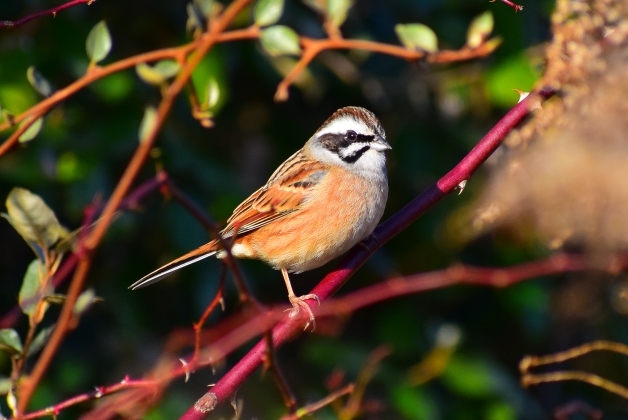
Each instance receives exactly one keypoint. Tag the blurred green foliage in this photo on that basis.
(433, 115)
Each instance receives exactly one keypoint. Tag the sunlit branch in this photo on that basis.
(97, 73)
(313, 47)
(133, 168)
(528, 362)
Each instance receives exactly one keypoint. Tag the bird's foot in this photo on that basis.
(299, 302)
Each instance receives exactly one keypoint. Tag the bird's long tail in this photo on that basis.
(191, 257)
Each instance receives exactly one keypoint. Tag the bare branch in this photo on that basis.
(53, 12)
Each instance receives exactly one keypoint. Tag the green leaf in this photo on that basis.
(148, 123)
(319, 6)
(479, 29)
(499, 410)
(416, 36)
(211, 71)
(337, 11)
(33, 219)
(280, 40)
(268, 12)
(5, 385)
(470, 377)
(204, 6)
(70, 167)
(195, 20)
(40, 340)
(492, 44)
(84, 301)
(12, 400)
(10, 341)
(98, 43)
(149, 75)
(159, 73)
(31, 132)
(510, 72)
(31, 284)
(167, 68)
(213, 93)
(38, 82)
(414, 403)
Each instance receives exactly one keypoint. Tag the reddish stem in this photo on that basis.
(100, 392)
(288, 328)
(511, 4)
(53, 11)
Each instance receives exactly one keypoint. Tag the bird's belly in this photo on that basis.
(324, 228)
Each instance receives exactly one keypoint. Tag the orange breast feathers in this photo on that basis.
(326, 225)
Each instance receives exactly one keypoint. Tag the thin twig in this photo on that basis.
(244, 291)
(198, 326)
(517, 7)
(312, 47)
(311, 408)
(530, 379)
(568, 411)
(240, 331)
(100, 392)
(97, 73)
(402, 286)
(535, 361)
(53, 12)
(353, 407)
(270, 364)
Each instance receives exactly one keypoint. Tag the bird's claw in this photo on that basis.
(299, 302)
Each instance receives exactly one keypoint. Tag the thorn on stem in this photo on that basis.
(187, 372)
(461, 186)
(522, 94)
(234, 404)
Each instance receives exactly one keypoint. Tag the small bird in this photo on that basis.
(319, 203)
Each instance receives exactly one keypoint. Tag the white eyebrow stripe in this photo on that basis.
(344, 124)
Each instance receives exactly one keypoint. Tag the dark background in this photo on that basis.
(433, 116)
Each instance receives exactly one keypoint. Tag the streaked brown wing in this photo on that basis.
(285, 193)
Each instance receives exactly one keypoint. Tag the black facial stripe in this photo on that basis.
(352, 158)
(336, 142)
(363, 138)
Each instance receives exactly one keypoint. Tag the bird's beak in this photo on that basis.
(380, 144)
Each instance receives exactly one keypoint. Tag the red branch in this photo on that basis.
(511, 4)
(290, 327)
(53, 11)
(100, 392)
(239, 330)
(233, 333)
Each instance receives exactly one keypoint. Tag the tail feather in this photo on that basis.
(198, 254)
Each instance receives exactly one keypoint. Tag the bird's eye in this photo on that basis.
(351, 135)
